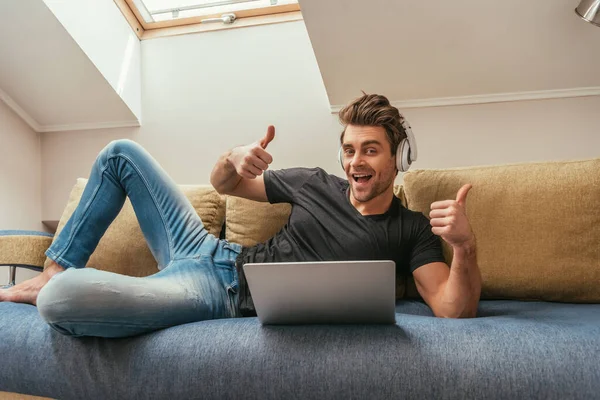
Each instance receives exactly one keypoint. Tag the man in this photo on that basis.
(200, 276)
(358, 218)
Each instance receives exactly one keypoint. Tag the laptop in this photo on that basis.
(329, 292)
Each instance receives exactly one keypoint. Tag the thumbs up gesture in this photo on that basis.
(449, 219)
(250, 161)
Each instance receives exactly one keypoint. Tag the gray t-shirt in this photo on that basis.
(325, 226)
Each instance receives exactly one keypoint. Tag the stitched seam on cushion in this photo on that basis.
(515, 164)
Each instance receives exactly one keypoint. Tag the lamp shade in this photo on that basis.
(589, 10)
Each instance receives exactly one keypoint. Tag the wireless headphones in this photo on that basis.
(405, 154)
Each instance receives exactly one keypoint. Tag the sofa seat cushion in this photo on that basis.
(123, 248)
(537, 226)
(514, 350)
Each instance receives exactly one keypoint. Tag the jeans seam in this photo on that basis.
(189, 257)
(102, 176)
(143, 178)
(230, 301)
(86, 209)
(60, 260)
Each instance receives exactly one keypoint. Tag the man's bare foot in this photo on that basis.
(27, 292)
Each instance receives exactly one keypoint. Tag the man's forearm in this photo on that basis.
(463, 289)
(224, 177)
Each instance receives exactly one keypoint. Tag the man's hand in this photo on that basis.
(449, 220)
(250, 161)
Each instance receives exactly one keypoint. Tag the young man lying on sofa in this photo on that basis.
(331, 219)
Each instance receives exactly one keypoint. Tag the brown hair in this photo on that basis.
(374, 110)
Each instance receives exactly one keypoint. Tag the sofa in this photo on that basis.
(536, 335)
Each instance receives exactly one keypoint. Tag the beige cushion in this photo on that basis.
(537, 226)
(123, 248)
(249, 222)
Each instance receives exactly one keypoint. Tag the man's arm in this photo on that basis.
(451, 292)
(454, 292)
(238, 172)
(463, 289)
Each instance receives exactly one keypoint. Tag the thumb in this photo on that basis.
(461, 196)
(268, 137)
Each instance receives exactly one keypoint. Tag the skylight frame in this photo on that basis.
(249, 17)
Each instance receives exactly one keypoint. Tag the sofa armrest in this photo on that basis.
(24, 249)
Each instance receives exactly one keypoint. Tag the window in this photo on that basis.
(152, 18)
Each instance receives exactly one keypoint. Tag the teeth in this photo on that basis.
(358, 176)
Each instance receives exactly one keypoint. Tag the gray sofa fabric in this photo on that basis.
(514, 350)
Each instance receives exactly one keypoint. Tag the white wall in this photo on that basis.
(104, 35)
(20, 184)
(207, 92)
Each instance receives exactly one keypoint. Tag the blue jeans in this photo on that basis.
(197, 279)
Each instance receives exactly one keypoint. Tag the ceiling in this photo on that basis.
(46, 77)
(416, 52)
(412, 50)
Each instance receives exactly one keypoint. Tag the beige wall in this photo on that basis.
(497, 133)
(205, 93)
(20, 184)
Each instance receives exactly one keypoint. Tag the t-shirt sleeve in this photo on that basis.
(426, 246)
(283, 185)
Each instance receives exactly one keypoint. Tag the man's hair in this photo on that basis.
(374, 110)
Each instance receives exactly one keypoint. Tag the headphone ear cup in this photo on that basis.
(402, 156)
(340, 159)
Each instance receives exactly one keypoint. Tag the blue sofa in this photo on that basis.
(536, 336)
(513, 350)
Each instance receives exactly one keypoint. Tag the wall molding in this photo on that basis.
(491, 98)
(37, 127)
(19, 111)
(88, 126)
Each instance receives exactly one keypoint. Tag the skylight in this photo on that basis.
(153, 11)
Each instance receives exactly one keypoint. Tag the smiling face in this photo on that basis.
(369, 165)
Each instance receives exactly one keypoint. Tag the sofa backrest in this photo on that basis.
(123, 248)
(537, 226)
